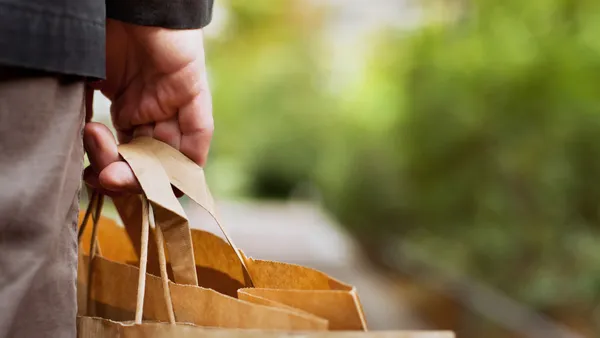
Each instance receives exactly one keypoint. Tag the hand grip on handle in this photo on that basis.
(188, 177)
(145, 154)
(156, 165)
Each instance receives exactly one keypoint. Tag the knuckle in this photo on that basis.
(192, 81)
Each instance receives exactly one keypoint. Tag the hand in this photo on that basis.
(156, 81)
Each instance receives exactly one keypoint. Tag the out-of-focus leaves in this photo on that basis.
(475, 141)
(490, 167)
(269, 107)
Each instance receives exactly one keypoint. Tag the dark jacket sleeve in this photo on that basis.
(175, 14)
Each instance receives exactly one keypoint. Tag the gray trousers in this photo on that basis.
(41, 160)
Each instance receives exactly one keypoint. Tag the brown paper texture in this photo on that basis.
(235, 291)
(113, 297)
(168, 213)
(88, 327)
(276, 284)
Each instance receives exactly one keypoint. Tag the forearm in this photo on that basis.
(175, 14)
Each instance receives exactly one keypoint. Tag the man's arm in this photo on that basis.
(156, 82)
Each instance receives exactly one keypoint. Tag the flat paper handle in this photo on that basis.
(168, 213)
(188, 177)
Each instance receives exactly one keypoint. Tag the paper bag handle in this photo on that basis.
(185, 175)
(169, 214)
(147, 221)
(94, 208)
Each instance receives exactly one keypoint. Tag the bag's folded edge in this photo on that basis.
(95, 327)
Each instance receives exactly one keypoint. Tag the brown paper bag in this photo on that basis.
(293, 285)
(276, 284)
(90, 327)
(281, 291)
(108, 289)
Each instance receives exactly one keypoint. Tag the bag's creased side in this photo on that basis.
(117, 291)
(102, 328)
(114, 297)
(190, 179)
(122, 291)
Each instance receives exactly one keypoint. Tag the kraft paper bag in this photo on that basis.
(293, 286)
(107, 288)
(100, 328)
(275, 284)
(95, 327)
(241, 292)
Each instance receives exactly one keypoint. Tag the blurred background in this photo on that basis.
(441, 155)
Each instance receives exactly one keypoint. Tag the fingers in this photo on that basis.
(141, 104)
(110, 172)
(181, 86)
(197, 126)
(119, 177)
(159, 99)
(168, 132)
(127, 104)
(124, 137)
(100, 145)
(144, 130)
(91, 179)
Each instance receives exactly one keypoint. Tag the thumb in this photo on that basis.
(109, 169)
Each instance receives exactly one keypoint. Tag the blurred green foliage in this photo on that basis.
(475, 141)
(491, 166)
(270, 113)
